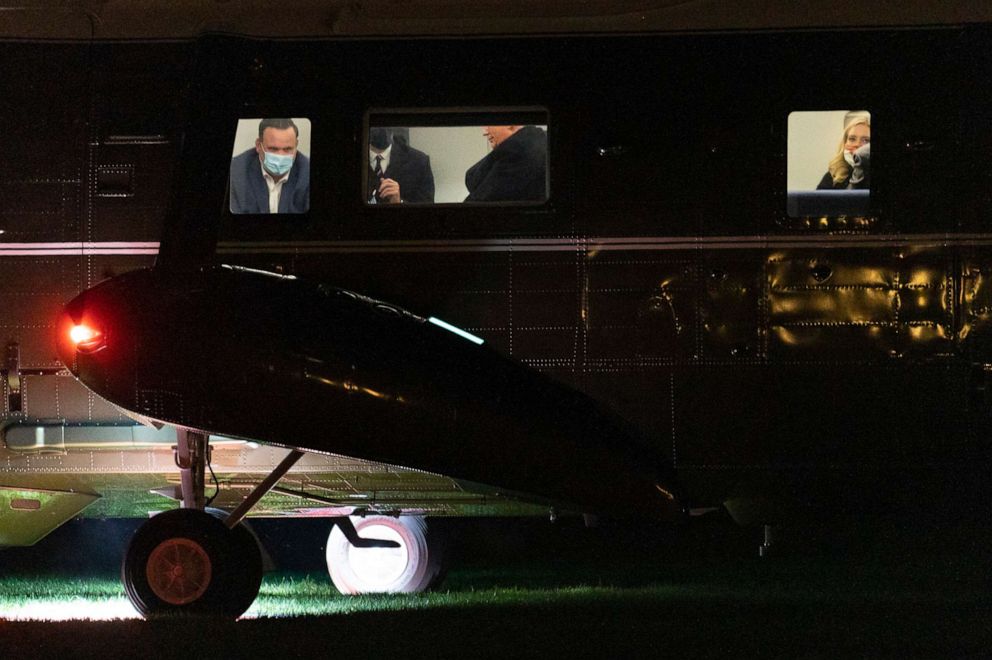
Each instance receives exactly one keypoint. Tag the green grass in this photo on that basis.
(298, 595)
(777, 582)
(885, 599)
(899, 607)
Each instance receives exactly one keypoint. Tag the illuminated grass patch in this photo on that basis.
(299, 595)
(793, 585)
(851, 609)
(102, 598)
(621, 599)
(62, 599)
(306, 596)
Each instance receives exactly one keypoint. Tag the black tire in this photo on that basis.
(418, 565)
(268, 565)
(186, 562)
(245, 569)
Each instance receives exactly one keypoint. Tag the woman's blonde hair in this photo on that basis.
(838, 167)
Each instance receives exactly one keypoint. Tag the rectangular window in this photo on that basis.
(270, 166)
(829, 163)
(445, 156)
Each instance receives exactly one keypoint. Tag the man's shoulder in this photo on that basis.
(241, 165)
(302, 165)
(407, 153)
(524, 141)
(244, 157)
(533, 135)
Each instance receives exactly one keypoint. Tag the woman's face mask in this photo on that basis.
(860, 157)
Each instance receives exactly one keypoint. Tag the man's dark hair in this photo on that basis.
(281, 124)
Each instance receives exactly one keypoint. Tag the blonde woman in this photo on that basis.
(849, 168)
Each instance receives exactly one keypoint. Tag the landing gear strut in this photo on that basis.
(192, 456)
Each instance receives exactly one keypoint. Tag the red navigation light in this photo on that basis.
(86, 339)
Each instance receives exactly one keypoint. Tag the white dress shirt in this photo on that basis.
(385, 158)
(275, 188)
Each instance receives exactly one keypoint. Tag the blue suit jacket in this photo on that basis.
(249, 194)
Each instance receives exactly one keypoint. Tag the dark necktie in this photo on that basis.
(377, 172)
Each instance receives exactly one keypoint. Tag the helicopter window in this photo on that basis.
(270, 166)
(829, 163)
(449, 157)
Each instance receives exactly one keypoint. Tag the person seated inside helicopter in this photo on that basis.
(273, 176)
(850, 168)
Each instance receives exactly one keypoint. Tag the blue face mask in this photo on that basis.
(276, 164)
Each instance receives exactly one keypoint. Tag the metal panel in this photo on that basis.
(639, 306)
(28, 515)
(859, 304)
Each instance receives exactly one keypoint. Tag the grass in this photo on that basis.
(707, 608)
(300, 595)
(881, 599)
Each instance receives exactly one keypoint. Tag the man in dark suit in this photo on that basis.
(273, 177)
(397, 172)
(516, 170)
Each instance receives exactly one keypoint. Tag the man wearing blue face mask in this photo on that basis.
(273, 177)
